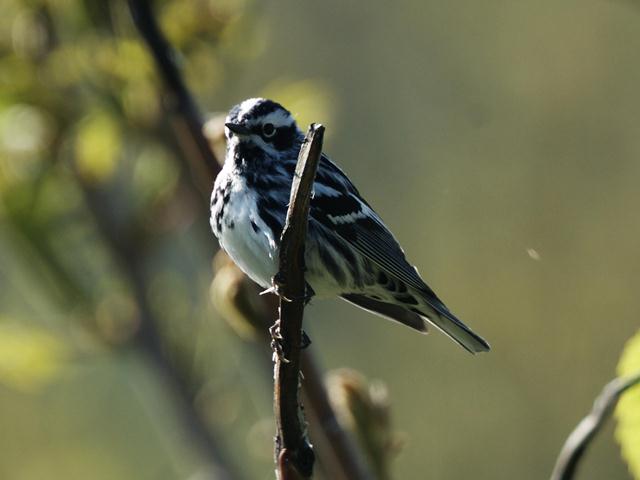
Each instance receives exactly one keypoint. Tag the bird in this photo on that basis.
(349, 252)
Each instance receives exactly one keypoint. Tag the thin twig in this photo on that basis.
(187, 119)
(292, 445)
(589, 426)
(337, 452)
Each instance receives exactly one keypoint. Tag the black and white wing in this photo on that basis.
(338, 206)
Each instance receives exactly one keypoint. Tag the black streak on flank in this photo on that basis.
(368, 268)
(225, 192)
(219, 213)
(331, 265)
(272, 222)
(391, 286)
(345, 252)
(407, 298)
(254, 226)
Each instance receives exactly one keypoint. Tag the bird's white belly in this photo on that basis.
(248, 241)
(251, 245)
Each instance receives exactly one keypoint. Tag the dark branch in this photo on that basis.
(187, 119)
(292, 446)
(204, 167)
(589, 426)
(336, 450)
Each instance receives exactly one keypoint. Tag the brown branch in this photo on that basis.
(250, 315)
(187, 120)
(292, 445)
(204, 167)
(576, 444)
(340, 455)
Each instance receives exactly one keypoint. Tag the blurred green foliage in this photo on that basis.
(628, 408)
(82, 120)
(29, 357)
(498, 140)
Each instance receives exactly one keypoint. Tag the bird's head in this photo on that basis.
(262, 124)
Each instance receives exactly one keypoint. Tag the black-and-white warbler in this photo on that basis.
(349, 251)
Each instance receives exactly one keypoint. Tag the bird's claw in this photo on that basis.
(276, 342)
(271, 289)
(277, 287)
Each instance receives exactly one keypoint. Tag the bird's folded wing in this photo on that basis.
(354, 221)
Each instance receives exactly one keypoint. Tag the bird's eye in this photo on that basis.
(268, 129)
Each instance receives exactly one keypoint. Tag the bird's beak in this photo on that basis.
(238, 129)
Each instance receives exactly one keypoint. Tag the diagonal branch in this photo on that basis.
(293, 450)
(187, 120)
(342, 457)
(250, 315)
(589, 426)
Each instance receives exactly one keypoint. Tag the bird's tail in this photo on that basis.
(445, 321)
(422, 310)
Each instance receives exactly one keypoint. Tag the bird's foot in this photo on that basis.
(277, 287)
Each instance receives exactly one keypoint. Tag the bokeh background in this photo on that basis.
(499, 140)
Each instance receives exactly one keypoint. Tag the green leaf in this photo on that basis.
(98, 144)
(30, 357)
(628, 409)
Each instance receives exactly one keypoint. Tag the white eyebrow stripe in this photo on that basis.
(279, 118)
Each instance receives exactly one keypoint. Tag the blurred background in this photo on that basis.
(499, 140)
